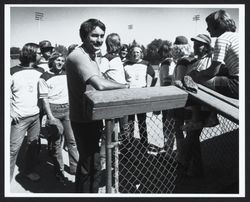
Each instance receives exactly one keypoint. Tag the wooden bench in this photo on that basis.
(228, 107)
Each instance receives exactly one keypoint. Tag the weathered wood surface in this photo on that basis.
(226, 99)
(225, 106)
(117, 103)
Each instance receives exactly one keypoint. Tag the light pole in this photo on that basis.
(39, 16)
(196, 18)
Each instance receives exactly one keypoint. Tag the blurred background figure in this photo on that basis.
(46, 49)
(71, 48)
(124, 52)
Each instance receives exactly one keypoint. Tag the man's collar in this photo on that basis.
(92, 55)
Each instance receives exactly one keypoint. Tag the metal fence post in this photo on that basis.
(109, 130)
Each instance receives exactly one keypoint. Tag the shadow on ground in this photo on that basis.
(220, 156)
(48, 183)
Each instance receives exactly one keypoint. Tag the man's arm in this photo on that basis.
(100, 83)
(206, 74)
(47, 108)
(151, 72)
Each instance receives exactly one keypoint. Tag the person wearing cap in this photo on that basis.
(190, 157)
(24, 111)
(223, 73)
(54, 94)
(83, 74)
(182, 55)
(136, 72)
(46, 49)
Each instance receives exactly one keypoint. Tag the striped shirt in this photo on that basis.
(226, 51)
(54, 87)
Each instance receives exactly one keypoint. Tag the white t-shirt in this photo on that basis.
(24, 93)
(54, 87)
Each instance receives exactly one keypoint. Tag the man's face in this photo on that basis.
(47, 53)
(199, 48)
(136, 54)
(94, 40)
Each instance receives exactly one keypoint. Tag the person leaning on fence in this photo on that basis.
(83, 75)
(24, 110)
(201, 115)
(54, 94)
(223, 74)
(136, 72)
(182, 55)
(191, 161)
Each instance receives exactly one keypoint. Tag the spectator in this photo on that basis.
(124, 52)
(182, 55)
(181, 52)
(189, 156)
(54, 94)
(167, 65)
(46, 49)
(24, 110)
(166, 69)
(83, 74)
(203, 51)
(111, 64)
(112, 68)
(136, 72)
(222, 74)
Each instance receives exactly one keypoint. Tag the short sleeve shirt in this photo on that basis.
(24, 93)
(136, 73)
(79, 69)
(112, 67)
(226, 51)
(53, 87)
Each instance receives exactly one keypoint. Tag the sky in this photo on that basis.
(61, 23)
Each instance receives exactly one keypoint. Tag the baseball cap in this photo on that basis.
(202, 38)
(181, 40)
(45, 44)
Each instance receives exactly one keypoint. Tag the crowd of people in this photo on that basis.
(49, 86)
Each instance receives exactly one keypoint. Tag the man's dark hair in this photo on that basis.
(88, 26)
(28, 53)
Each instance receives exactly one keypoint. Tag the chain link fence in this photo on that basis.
(145, 158)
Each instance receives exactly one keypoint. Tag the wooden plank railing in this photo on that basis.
(117, 103)
(228, 107)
